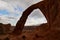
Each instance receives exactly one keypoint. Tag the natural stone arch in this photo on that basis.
(50, 8)
(35, 18)
(25, 15)
(47, 7)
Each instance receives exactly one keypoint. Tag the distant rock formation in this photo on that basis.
(5, 28)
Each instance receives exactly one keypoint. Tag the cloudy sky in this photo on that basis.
(11, 11)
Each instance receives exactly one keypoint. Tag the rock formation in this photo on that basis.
(51, 10)
(4, 28)
(48, 31)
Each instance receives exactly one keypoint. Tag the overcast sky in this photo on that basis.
(11, 11)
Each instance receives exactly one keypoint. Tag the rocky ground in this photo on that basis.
(41, 32)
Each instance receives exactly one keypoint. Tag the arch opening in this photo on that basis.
(35, 18)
